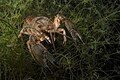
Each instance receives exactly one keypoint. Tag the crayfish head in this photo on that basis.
(57, 20)
(61, 17)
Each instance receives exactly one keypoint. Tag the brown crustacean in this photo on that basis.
(38, 27)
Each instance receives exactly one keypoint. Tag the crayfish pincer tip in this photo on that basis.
(19, 36)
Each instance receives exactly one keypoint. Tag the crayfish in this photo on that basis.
(38, 29)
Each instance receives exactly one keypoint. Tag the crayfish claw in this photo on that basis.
(40, 53)
(74, 33)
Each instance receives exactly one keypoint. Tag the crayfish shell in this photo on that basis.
(40, 23)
